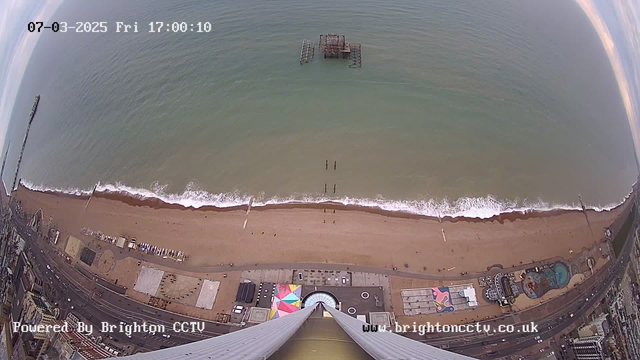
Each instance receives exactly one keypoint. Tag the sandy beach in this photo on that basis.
(314, 233)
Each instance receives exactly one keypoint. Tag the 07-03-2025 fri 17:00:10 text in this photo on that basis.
(120, 27)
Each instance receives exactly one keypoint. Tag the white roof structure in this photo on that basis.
(148, 280)
(120, 242)
(470, 294)
(208, 293)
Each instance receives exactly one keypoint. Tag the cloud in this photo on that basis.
(627, 10)
(16, 47)
(628, 13)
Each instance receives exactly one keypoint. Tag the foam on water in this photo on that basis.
(68, 190)
(193, 196)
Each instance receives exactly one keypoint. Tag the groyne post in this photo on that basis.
(584, 211)
(91, 196)
(246, 218)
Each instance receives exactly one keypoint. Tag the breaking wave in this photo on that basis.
(193, 196)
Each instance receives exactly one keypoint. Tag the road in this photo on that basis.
(102, 304)
(552, 318)
(96, 303)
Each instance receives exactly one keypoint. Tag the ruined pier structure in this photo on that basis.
(333, 46)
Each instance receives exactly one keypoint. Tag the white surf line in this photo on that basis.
(247, 216)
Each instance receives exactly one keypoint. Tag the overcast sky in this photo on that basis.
(17, 44)
(626, 20)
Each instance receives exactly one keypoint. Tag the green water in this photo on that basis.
(460, 107)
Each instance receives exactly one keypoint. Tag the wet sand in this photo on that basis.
(306, 233)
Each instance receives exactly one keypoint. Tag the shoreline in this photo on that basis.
(304, 233)
(501, 218)
(155, 202)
